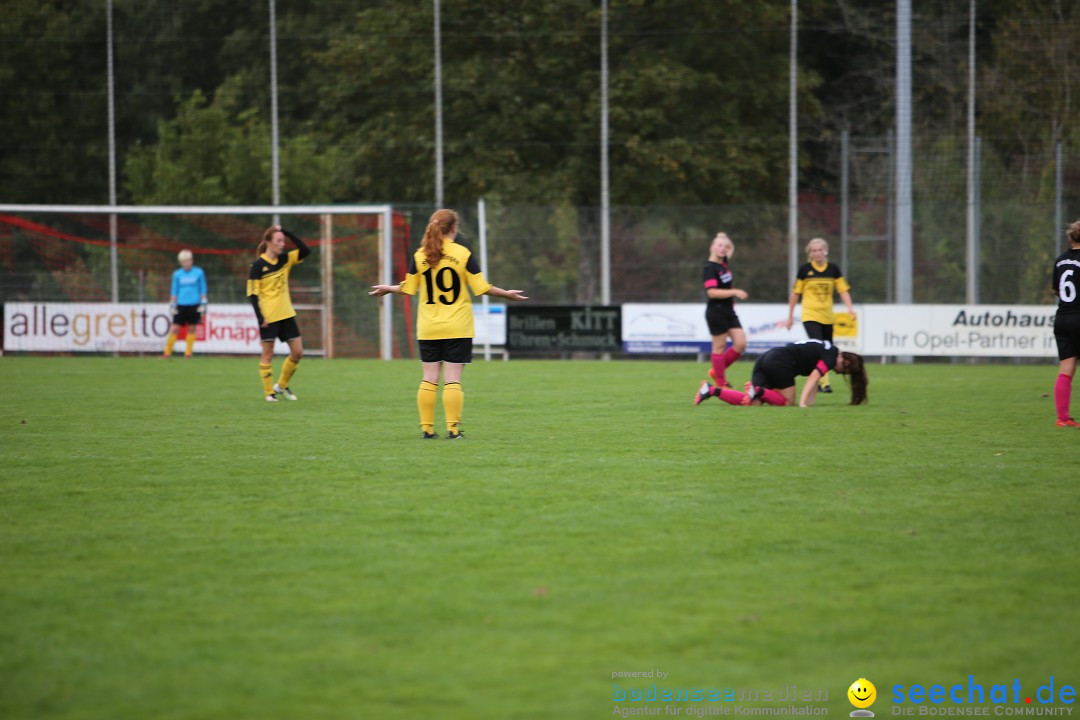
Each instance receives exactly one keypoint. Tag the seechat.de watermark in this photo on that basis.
(977, 698)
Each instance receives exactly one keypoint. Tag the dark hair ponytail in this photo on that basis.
(855, 369)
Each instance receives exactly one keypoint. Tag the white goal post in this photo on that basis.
(384, 214)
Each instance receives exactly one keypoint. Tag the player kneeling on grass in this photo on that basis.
(187, 301)
(773, 379)
(441, 273)
(268, 291)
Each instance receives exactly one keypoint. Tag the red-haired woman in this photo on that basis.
(442, 272)
(773, 379)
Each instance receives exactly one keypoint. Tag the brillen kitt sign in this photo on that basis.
(564, 328)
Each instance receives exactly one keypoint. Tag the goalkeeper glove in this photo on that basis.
(202, 309)
(172, 308)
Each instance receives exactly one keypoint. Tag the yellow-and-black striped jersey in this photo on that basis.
(442, 292)
(269, 281)
(816, 284)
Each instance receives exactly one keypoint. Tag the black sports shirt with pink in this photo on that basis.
(719, 312)
(1066, 285)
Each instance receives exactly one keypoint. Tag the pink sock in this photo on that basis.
(772, 397)
(731, 397)
(1062, 391)
(730, 356)
(718, 366)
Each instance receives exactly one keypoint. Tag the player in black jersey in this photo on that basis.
(1067, 323)
(720, 311)
(773, 379)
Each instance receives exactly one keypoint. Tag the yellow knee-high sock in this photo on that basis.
(169, 342)
(425, 402)
(453, 402)
(266, 372)
(824, 380)
(190, 340)
(287, 371)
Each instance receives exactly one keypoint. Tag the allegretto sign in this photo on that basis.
(122, 327)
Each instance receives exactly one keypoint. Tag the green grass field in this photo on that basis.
(171, 546)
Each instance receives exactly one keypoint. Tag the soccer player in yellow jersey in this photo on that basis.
(441, 273)
(268, 291)
(816, 282)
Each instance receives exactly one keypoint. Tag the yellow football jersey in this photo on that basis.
(269, 281)
(442, 292)
(816, 284)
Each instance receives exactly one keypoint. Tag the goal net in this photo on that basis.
(98, 278)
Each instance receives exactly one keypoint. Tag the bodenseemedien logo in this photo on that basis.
(862, 695)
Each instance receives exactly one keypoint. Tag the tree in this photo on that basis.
(53, 119)
(215, 153)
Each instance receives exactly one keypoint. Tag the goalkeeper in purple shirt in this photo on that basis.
(187, 301)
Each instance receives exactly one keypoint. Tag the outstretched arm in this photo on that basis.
(380, 290)
(515, 295)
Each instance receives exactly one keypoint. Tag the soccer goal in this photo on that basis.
(97, 277)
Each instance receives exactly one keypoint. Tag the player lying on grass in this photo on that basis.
(441, 274)
(773, 379)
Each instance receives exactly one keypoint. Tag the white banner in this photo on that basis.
(943, 330)
(679, 328)
(918, 330)
(125, 327)
(490, 329)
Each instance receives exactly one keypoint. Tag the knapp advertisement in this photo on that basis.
(123, 327)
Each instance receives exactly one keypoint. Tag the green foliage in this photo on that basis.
(213, 153)
(52, 117)
(195, 552)
(698, 96)
(691, 115)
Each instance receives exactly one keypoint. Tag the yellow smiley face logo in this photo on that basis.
(862, 693)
